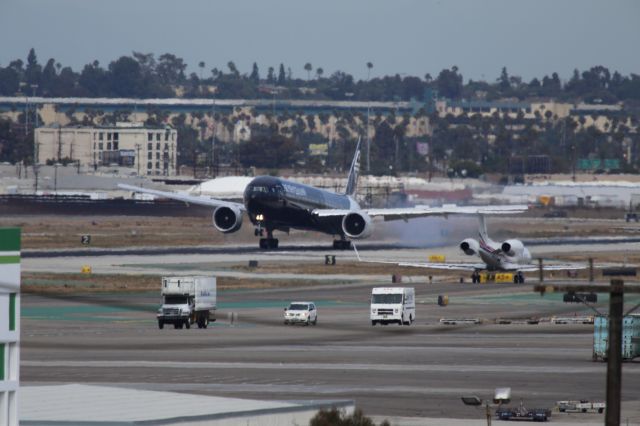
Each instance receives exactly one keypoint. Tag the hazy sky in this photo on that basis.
(531, 38)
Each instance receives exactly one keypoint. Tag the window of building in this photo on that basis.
(157, 155)
(158, 146)
(166, 136)
(109, 136)
(157, 164)
(94, 136)
(116, 136)
(94, 146)
(115, 145)
(12, 312)
(149, 136)
(158, 136)
(150, 156)
(173, 136)
(101, 136)
(149, 146)
(149, 165)
(166, 166)
(108, 146)
(166, 147)
(101, 146)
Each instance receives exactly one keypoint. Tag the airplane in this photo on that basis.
(276, 204)
(508, 256)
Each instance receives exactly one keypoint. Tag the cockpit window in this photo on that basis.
(258, 188)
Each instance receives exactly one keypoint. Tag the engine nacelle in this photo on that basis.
(512, 247)
(357, 225)
(470, 246)
(227, 219)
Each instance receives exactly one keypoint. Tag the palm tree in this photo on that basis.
(369, 66)
(201, 65)
(308, 67)
(319, 72)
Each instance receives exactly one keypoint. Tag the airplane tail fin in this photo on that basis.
(354, 171)
(482, 228)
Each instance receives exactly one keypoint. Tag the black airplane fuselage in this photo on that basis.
(278, 204)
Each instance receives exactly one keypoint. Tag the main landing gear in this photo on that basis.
(518, 278)
(341, 244)
(268, 243)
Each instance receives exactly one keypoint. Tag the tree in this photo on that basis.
(308, 67)
(271, 77)
(369, 67)
(255, 74)
(319, 72)
(282, 77)
(126, 78)
(504, 80)
(170, 69)
(33, 71)
(449, 83)
(201, 64)
(233, 69)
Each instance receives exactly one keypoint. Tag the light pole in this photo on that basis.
(369, 67)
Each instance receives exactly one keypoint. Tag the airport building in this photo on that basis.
(9, 324)
(146, 150)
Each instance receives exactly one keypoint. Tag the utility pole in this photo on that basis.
(614, 360)
(138, 157)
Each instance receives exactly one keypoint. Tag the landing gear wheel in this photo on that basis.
(268, 243)
(177, 325)
(341, 244)
(160, 325)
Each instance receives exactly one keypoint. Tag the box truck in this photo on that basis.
(393, 305)
(187, 301)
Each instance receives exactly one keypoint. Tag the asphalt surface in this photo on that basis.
(416, 371)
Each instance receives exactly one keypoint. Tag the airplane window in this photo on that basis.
(260, 189)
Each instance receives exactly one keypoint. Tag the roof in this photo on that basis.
(84, 404)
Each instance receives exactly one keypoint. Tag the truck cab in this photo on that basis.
(393, 305)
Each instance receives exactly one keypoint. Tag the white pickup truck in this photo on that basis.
(393, 305)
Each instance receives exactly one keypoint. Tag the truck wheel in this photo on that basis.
(315, 321)
(187, 324)
(373, 322)
(176, 325)
(160, 325)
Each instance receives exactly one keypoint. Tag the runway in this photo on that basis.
(418, 371)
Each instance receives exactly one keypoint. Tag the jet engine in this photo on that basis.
(470, 246)
(357, 225)
(512, 247)
(227, 219)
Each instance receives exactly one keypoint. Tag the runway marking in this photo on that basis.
(459, 368)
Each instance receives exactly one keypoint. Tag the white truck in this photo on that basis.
(393, 305)
(186, 301)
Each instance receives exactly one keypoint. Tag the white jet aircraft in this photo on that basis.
(508, 256)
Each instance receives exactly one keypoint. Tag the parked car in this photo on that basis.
(301, 312)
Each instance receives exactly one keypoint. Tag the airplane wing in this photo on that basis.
(551, 267)
(405, 213)
(447, 266)
(193, 199)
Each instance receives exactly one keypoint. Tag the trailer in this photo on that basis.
(630, 337)
(582, 406)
